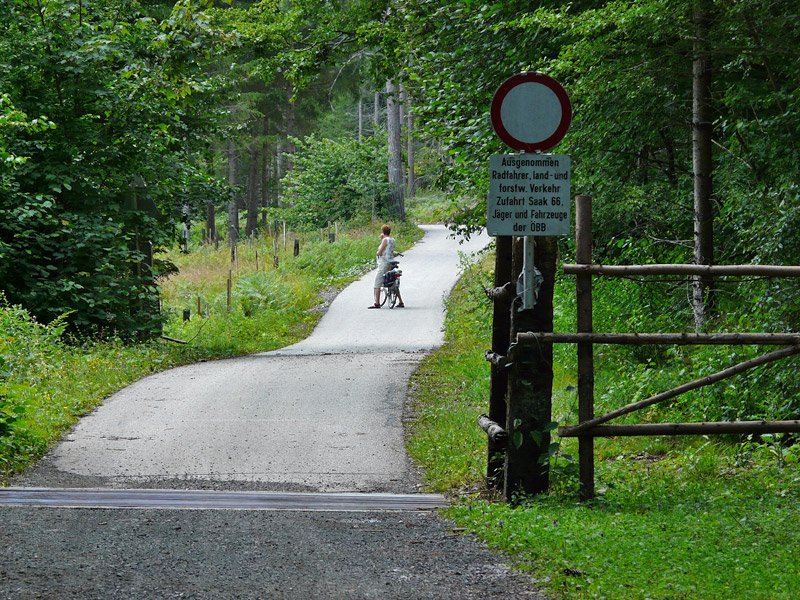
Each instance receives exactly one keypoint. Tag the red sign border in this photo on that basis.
(500, 96)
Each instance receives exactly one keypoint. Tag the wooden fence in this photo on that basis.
(589, 426)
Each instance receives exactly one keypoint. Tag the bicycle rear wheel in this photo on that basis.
(392, 296)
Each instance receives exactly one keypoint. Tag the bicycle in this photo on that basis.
(390, 290)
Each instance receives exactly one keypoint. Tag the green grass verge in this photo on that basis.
(676, 518)
(46, 384)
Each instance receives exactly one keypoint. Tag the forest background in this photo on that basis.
(123, 124)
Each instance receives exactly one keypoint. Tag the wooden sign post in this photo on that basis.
(530, 381)
(529, 203)
(502, 296)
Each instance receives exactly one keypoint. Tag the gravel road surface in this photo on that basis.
(321, 420)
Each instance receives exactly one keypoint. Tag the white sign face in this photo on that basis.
(529, 194)
(531, 111)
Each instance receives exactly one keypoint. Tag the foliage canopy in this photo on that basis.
(337, 181)
(98, 95)
(127, 113)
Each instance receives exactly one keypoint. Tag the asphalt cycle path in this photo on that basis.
(323, 415)
(304, 450)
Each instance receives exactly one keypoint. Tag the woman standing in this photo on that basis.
(385, 255)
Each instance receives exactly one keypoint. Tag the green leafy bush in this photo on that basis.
(123, 97)
(24, 347)
(337, 181)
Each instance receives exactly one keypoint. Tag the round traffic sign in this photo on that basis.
(531, 112)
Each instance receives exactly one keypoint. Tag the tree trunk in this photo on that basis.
(233, 208)
(360, 118)
(395, 151)
(702, 298)
(530, 380)
(498, 382)
(211, 218)
(403, 96)
(290, 129)
(412, 176)
(265, 170)
(252, 192)
(279, 167)
(265, 197)
(280, 171)
(211, 223)
(376, 116)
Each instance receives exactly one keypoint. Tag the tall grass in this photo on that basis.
(676, 518)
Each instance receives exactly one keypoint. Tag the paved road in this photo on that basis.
(324, 416)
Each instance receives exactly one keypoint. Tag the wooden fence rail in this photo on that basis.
(495, 431)
(717, 428)
(697, 383)
(685, 339)
(714, 270)
(588, 426)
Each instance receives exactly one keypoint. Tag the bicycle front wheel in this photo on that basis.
(384, 295)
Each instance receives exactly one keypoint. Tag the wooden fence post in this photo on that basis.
(583, 255)
(530, 381)
(230, 288)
